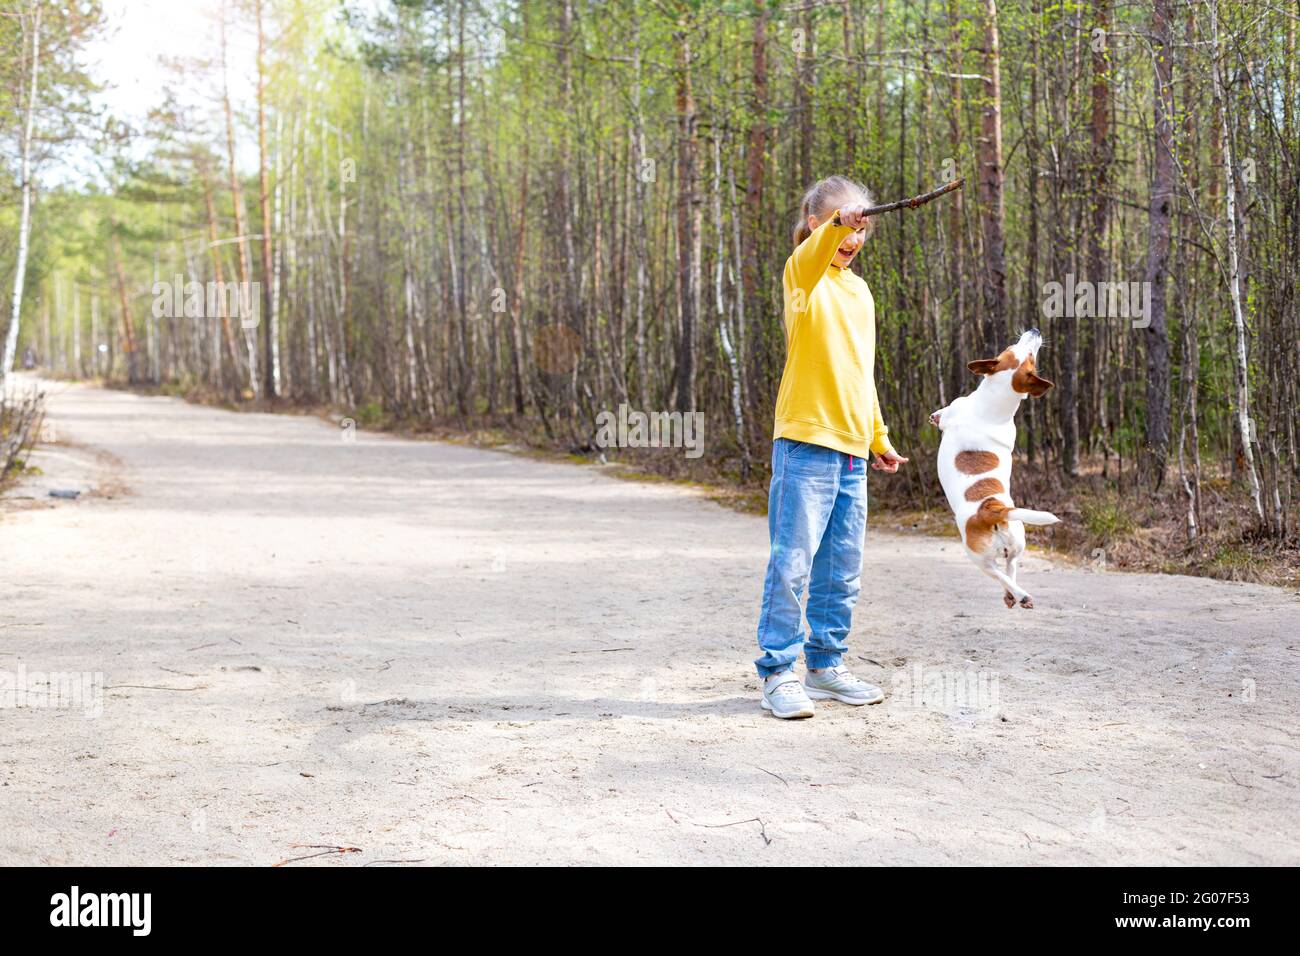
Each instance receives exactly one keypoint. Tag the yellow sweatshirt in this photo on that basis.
(828, 389)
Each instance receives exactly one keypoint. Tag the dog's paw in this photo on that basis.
(1009, 599)
(1027, 602)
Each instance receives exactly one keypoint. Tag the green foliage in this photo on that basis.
(1107, 518)
(1232, 562)
(370, 415)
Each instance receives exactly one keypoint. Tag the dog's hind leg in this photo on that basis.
(1013, 572)
(1010, 587)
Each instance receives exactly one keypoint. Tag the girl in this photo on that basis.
(828, 422)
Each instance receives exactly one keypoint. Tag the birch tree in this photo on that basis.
(31, 21)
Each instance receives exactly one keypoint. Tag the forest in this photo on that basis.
(499, 219)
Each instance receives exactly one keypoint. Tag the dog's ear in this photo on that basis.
(984, 366)
(1027, 381)
(1036, 385)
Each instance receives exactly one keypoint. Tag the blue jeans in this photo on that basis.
(817, 506)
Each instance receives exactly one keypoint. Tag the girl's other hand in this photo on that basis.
(888, 462)
(855, 217)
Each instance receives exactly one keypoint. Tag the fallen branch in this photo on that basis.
(762, 827)
(378, 862)
(771, 774)
(916, 200)
(324, 851)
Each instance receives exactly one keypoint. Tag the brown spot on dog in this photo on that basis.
(1027, 381)
(980, 525)
(976, 462)
(983, 488)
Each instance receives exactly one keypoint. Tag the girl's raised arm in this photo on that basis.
(810, 260)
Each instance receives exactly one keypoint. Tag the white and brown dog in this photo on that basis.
(979, 435)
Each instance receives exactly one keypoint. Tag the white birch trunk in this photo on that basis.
(1234, 274)
(25, 220)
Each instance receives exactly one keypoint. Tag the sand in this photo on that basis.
(442, 654)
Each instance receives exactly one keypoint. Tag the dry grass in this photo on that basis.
(21, 415)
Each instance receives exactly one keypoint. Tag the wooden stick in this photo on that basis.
(916, 200)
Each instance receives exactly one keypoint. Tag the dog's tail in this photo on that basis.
(1029, 516)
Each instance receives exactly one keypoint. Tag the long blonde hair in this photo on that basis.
(825, 195)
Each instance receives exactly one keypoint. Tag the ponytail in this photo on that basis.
(801, 230)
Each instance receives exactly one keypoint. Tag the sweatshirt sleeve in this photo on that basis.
(809, 262)
(880, 431)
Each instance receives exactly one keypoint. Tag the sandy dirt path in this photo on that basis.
(450, 655)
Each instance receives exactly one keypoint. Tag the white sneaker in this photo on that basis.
(784, 696)
(838, 683)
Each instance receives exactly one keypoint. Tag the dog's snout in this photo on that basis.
(1035, 333)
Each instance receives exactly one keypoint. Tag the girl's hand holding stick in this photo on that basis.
(855, 217)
